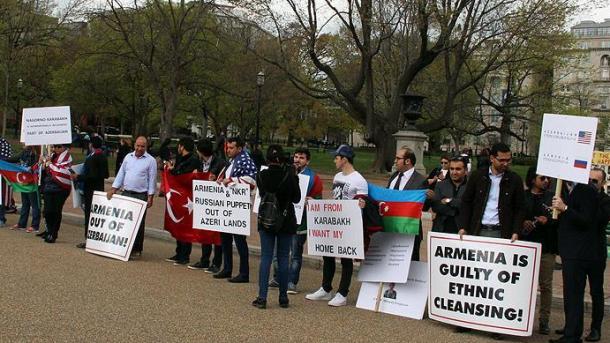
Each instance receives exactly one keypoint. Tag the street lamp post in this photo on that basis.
(260, 81)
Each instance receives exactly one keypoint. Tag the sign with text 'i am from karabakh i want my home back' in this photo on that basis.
(334, 228)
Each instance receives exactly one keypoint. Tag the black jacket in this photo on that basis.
(216, 165)
(511, 209)
(186, 164)
(603, 216)
(95, 172)
(287, 191)
(578, 227)
(447, 212)
(543, 234)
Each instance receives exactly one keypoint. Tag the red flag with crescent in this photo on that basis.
(178, 191)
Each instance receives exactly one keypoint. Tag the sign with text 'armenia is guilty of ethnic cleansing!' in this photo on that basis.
(220, 208)
(334, 228)
(482, 283)
(566, 147)
(113, 225)
(46, 125)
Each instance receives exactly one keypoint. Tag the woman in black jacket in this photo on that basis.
(278, 187)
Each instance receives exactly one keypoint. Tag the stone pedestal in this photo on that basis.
(415, 141)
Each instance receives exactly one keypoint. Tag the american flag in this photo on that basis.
(584, 137)
(59, 169)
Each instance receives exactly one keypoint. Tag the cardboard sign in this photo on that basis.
(334, 228)
(388, 258)
(601, 158)
(566, 147)
(77, 198)
(220, 208)
(401, 299)
(113, 225)
(483, 283)
(46, 125)
(298, 208)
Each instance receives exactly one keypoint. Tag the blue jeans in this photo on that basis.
(268, 244)
(29, 200)
(296, 259)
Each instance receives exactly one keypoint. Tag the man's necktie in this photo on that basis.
(397, 184)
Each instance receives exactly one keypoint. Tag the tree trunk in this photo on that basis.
(505, 136)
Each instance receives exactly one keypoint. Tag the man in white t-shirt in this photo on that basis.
(348, 184)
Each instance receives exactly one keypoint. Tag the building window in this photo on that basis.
(584, 45)
(605, 61)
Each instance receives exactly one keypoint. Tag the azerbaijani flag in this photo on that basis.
(20, 178)
(400, 210)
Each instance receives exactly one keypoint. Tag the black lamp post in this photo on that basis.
(411, 109)
(17, 116)
(260, 81)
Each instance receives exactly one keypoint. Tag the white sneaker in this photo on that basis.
(338, 300)
(320, 294)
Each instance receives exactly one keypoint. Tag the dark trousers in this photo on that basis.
(242, 250)
(206, 253)
(88, 199)
(596, 286)
(328, 273)
(183, 250)
(29, 200)
(53, 207)
(138, 244)
(417, 244)
(574, 273)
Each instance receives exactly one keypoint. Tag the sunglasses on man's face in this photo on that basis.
(594, 181)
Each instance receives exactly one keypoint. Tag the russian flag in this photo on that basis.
(400, 210)
(580, 164)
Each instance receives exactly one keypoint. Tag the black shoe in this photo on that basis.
(560, 331)
(181, 262)
(496, 336)
(460, 329)
(172, 259)
(198, 266)
(239, 279)
(135, 255)
(593, 336)
(284, 302)
(544, 329)
(222, 275)
(81, 245)
(212, 270)
(259, 303)
(42, 234)
(50, 239)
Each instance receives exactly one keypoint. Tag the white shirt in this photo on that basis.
(406, 176)
(491, 216)
(346, 187)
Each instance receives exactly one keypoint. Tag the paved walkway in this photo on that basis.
(58, 293)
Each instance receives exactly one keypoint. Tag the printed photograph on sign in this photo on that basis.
(220, 208)
(483, 283)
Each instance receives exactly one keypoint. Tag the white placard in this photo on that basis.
(257, 197)
(566, 147)
(388, 258)
(220, 208)
(401, 299)
(113, 225)
(483, 283)
(334, 228)
(46, 125)
(77, 198)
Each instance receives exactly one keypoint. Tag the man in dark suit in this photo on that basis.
(578, 209)
(447, 197)
(406, 178)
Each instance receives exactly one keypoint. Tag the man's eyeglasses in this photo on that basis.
(398, 158)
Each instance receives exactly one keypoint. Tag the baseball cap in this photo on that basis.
(344, 150)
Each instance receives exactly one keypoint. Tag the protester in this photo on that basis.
(56, 188)
(539, 227)
(212, 164)
(276, 229)
(483, 159)
(301, 159)
(406, 178)
(6, 152)
(348, 184)
(241, 169)
(95, 171)
(138, 179)
(492, 204)
(124, 148)
(27, 158)
(186, 162)
(439, 173)
(447, 197)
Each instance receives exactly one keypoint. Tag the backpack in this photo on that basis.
(271, 215)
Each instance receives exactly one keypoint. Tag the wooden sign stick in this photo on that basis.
(378, 301)
(557, 194)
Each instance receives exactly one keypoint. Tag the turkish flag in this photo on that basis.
(179, 208)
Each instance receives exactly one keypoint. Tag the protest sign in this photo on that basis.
(299, 207)
(388, 258)
(113, 225)
(46, 125)
(601, 158)
(401, 299)
(220, 208)
(483, 283)
(334, 228)
(77, 197)
(566, 147)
